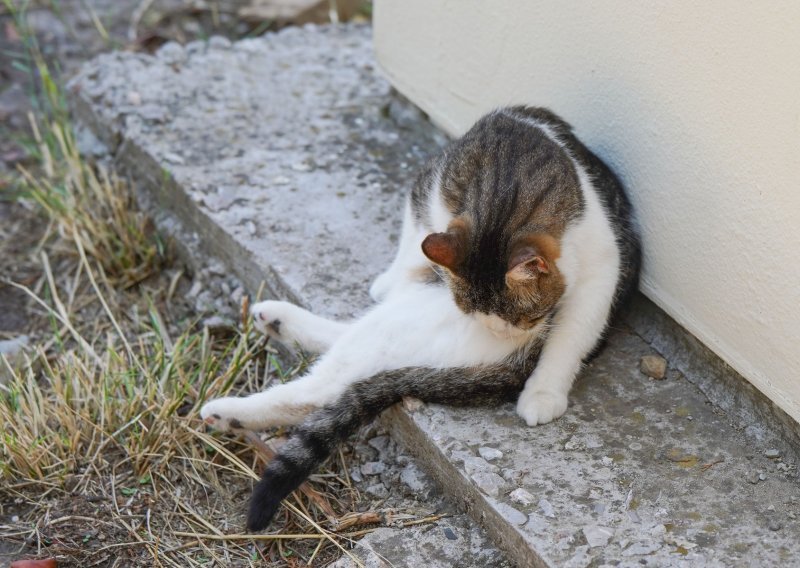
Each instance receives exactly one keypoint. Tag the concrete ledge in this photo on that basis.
(747, 407)
(288, 157)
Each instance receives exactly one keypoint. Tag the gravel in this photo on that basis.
(490, 454)
(377, 490)
(373, 468)
(522, 497)
(547, 508)
(416, 481)
(597, 535)
(488, 482)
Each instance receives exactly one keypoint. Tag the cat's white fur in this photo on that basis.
(416, 324)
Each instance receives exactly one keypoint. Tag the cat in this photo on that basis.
(518, 247)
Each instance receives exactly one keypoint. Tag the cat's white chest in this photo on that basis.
(421, 325)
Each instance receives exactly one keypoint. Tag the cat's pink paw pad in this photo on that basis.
(541, 407)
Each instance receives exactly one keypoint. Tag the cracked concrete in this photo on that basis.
(288, 157)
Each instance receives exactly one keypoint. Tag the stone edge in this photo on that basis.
(458, 488)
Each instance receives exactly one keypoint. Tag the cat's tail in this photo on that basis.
(322, 431)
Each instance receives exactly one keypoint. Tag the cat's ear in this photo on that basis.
(525, 266)
(444, 249)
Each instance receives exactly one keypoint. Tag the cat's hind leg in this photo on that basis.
(408, 256)
(282, 405)
(293, 325)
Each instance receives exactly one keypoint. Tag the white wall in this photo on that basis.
(695, 104)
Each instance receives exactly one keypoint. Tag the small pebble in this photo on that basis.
(373, 468)
(772, 454)
(791, 515)
(597, 536)
(11, 347)
(751, 477)
(521, 496)
(771, 508)
(490, 454)
(449, 534)
(658, 531)
(635, 446)
(547, 508)
(511, 514)
(762, 476)
(415, 480)
(380, 443)
(195, 289)
(774, 525)
(653, 366)
(134, 98)
(474, 464)
(219, 42)
(174, 158)
(378, 490)
(488, 482)
(238, 294)
(171, 53)
(218, 323)
(15, 519)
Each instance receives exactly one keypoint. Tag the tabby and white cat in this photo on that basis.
(518, 246)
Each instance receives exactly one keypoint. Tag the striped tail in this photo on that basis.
(322, 431)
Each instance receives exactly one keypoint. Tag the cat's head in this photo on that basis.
(511, 284)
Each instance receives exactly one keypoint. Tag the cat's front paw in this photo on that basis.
(541, 406)
(220, 413)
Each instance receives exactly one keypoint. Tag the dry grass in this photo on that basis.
(93, 207)
(85, 201)
(105, 461)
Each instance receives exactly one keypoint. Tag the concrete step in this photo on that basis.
(288, 157)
